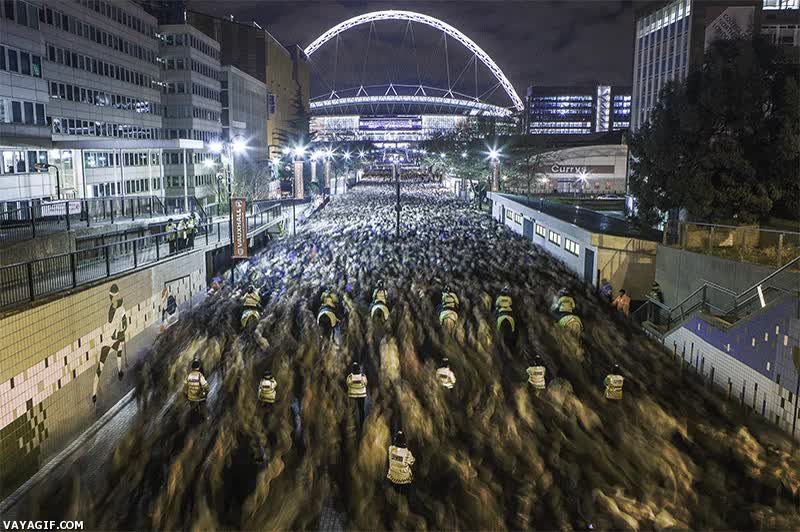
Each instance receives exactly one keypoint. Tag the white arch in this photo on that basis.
(428, 21)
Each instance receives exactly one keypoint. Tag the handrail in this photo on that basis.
(743, 228)
(770, 276)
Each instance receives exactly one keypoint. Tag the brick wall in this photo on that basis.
(49, 355)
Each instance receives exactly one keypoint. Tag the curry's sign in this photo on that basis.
(577, 169)
(239, 230)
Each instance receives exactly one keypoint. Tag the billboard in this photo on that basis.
(239, 229)
(390, 123)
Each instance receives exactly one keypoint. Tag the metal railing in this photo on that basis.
(30, 218)
(29, 281)
(717, 301)
(773, 247)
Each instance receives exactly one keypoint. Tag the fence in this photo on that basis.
(33, 280)
(27, 219)
(771, 247)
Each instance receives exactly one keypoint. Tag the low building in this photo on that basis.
(593, 245)
(585, 169)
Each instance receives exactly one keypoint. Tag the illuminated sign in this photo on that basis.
(576, 169)
(390, 123)
(239, 231)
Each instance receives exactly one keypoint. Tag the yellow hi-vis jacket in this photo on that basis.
(379, 294)
(566, 304)
(503, 304)
(356, 385)
(267, 389)
(252, 300)
(196, 386)
(446, 377)
(400, 462)
(613, 384)
(182, 228)
(170, 229)
(536, 376)
(330, 299)
(450, 301)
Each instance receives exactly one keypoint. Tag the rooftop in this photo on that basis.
(587, 219)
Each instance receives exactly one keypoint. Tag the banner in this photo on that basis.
(59, 208)
(239, 230)
(299, 193)
(728, 23)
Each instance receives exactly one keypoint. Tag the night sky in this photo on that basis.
(544, 41)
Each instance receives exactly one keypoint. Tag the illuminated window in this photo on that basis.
(555, 238)
(517, 218)
(509, 214)
(540, 230)
(572, 247)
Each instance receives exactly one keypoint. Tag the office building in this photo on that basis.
(284, 71)
(244, 111)
(576, 109)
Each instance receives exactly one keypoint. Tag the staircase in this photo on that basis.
(716, 304)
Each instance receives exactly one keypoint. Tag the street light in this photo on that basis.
(45, 166)
(298, 152)
(463, 155)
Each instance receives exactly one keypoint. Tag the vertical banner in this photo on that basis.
(299, 193)
(239, 230)
(327, 167)
(495, 177)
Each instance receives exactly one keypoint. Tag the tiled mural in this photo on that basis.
(756, 361)
(51, 356)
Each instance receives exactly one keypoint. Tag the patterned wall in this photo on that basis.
(49, 358)
(757, 360)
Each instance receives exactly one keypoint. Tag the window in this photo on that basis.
(540, 230)
(16, 112)
(555, 238)
(509, 214)
(29, 118)
(518, 218)
(36, 66)
(13, 63)
(572, 247)
(25, 63)
(2, 57)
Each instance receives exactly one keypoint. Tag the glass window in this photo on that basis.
(555, 238)
(16, 112)
(13, 62)
(8, 161)
(2, 57)
(29, 117)
(19, 161)
(22, 14)
(25, 63)
(36, 66)
(41, 118)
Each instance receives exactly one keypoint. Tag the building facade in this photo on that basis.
(244, 111)
(576, 110)
(672, 37)
(284, 71)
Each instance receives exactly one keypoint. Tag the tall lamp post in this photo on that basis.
(45, 166)
(298, 152)
(494, 157)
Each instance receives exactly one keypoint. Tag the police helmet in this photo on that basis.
(400, 439)
(563, 292)
(356, 367)
(615, 369)
(268, 374)
(196, 363)
(504, 290)
(447, 288)
(445, 362)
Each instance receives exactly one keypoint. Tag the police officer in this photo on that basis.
(171, 234)
(118, 321)
(445, 375)
(380, 295)
(400, 461)
(330, 299)
(613, 383)
(252, 301)
(357, 389)
(656, 293)
(191, 229)
(536, 373)
(182, 234)
(196, 386)
(449, 299)
(503, 301)
(267, 388)
(564, 303)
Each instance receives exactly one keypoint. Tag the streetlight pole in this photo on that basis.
(42, 166)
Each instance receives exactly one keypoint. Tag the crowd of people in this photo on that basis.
(181, 234)
(399, 424)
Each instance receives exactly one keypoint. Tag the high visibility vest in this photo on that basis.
(252, 300)
(449, 301)
(565, 321)
(536, 376)
(613, 384)
(171, 232)
(182, 228)
(400, 462)
(379, 295)
(330, 300)
(266, 390)
(356, 385)
(446, 377)
(503, 304)
(196, 387)
(566, 304)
